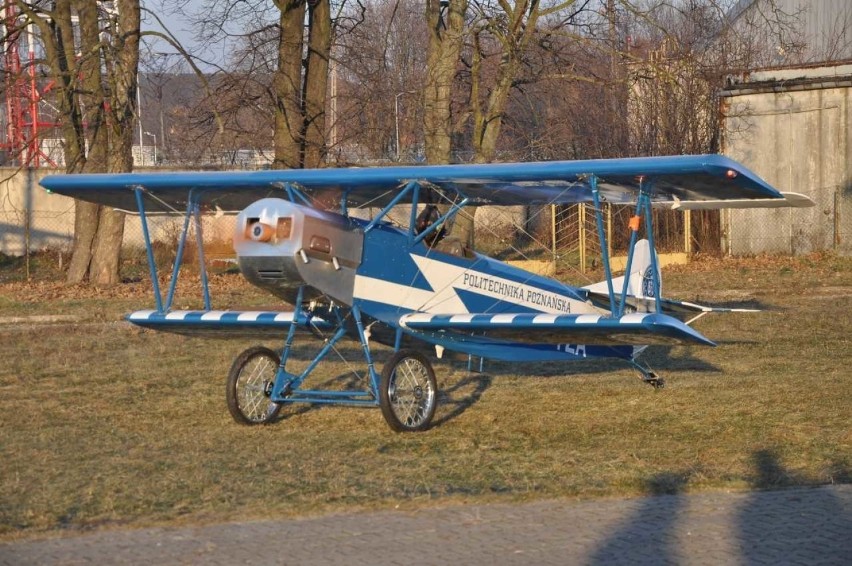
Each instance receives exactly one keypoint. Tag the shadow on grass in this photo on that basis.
(769, 473)
(658, 357)
(461, 396)
(746, 304)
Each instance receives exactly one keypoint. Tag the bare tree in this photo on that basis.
(501, 33)
(297, 74)
(381, 67)
(96, 92)
(446, 26)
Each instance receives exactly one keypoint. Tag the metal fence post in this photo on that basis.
(609, 229)
(837, 240)
(581, 210)
(28, 206)
(553, 231)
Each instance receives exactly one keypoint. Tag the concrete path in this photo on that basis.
(793, 526)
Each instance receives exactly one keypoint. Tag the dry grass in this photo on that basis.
(104, 425)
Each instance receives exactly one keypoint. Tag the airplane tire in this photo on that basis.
(408, 392)
(249, 385)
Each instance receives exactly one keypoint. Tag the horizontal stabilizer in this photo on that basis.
(224, 324)
(591, 329)
(679, 309)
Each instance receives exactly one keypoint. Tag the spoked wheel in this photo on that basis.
(250, 386)
(408, 392)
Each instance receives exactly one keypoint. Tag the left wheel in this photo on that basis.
(250, 385)
(408, 392)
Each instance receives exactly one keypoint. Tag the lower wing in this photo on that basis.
(225, 324)
(632, 329)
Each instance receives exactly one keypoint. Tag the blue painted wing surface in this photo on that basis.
(225, 324)
(635, 329)
(676, 179)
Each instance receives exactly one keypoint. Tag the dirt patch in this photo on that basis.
(37, 319)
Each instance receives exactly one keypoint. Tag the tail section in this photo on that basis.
(640, 279)
(642, 296)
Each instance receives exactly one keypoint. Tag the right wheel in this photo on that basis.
(408, 392)
(250, 385)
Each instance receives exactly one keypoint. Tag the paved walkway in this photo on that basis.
(794, 526)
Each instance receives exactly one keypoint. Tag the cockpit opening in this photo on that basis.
(427, 217)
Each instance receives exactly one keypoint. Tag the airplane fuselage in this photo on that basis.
(387, 275)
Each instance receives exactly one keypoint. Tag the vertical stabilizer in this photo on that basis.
(641, 281)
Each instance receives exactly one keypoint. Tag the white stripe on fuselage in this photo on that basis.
(446, 278)
(404, 296)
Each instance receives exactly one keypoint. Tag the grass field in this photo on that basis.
(104, 425)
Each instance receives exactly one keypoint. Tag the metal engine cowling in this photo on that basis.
(281, 245)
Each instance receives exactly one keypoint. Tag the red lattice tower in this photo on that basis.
(22, 95)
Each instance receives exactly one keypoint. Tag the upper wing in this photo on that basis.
(676, 180)
(591, 329)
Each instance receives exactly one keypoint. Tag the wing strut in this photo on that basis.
(643, 208)
(193, 212)
(596, 197)
(293, 193)
(152, 266)
(645, 193)
(410, 186)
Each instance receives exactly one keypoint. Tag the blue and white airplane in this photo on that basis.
(414, 286)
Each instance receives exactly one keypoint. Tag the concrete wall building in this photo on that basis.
(793, 127)
(790, 123)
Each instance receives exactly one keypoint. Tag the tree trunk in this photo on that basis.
(106, 248)
(488, 121)
(522, 21)
(445, 43)
(287, 84)
(122, 62)
(104, 82)
(86, 217)
(91, 98)
(316, 83)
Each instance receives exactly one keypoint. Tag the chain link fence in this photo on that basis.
(34, 222)
(165, 231)
(576, 243)
(795, 231)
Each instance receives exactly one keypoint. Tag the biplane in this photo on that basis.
(411, 285)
